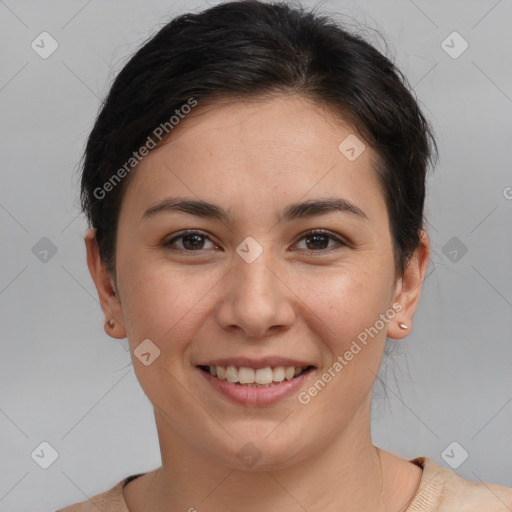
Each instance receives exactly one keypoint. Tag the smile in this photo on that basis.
(264, 377)
(255, 387)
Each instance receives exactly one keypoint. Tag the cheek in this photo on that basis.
(343, 310)
(347, 301)
(165, 304)
(339, 310)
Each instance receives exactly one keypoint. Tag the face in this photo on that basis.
(257, 279)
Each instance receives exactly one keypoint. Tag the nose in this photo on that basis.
(256, 301)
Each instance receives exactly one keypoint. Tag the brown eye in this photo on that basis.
(190, 241)
(319, 240)
(193, 242)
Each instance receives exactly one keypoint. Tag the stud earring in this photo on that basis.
(403, 326)
(111, 323)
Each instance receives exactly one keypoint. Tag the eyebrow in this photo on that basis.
(293, 211)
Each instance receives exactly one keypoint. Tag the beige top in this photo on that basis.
(440, 490)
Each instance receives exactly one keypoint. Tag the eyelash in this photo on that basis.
(187, 233)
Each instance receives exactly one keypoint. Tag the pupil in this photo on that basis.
(193, 246)
(317, 237)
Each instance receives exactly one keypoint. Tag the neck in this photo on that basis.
(342, 476)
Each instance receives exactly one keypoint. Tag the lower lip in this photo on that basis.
(254, 396)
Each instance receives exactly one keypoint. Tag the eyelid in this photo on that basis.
(305, 234)
(320, 231)
(185, 233)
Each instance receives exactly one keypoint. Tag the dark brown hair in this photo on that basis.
(245, 49)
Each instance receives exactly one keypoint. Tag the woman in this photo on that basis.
(255, 185)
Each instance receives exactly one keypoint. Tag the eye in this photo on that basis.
(194, 241)
(190, 241)
(318, 240)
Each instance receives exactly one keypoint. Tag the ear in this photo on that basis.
(105, 285)
(408, 289)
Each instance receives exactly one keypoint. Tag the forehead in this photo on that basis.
(255, 152)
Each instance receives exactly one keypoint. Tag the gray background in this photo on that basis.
(64, 381)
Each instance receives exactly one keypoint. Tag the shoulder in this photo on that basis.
(442, 490)
(108, 501)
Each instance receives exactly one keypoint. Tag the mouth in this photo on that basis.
(268, 376)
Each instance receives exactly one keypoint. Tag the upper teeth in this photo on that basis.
(245, 375)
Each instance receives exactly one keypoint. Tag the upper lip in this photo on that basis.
(264, 362)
